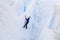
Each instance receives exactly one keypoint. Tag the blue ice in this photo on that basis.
(41, 23)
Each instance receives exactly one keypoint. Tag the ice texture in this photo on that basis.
(44, 21)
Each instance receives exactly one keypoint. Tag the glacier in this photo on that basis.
(43, 24)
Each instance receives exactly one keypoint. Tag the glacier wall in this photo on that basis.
(41, 25)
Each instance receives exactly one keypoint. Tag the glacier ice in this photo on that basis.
(43, 24)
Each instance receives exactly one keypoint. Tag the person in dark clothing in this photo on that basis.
(26, 22)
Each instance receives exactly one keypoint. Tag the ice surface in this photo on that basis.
(43, 24)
